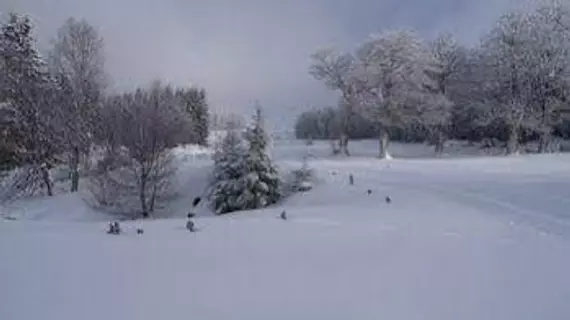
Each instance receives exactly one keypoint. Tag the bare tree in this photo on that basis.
(549, 49)
(395, 68)
(336, 70)
(505, 61)
(77, 62)
(138, 164)
(437, 111)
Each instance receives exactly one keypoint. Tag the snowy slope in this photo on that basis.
(485, 238)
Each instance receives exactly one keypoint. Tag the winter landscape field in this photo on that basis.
(462, 238)
(364, 159)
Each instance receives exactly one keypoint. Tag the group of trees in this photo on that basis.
(137, 132)
(57, 111)
(516, 80)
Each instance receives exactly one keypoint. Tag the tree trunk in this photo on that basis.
(513, 142)
(153, 194)
(142, 192)
(74, 167)
(335, 150)
(544, 141)
(384, 140)
(439, 143)
(47, 181)
(343, 144)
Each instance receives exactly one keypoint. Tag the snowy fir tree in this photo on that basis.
(244, 175)
(26, 98)
(228, 173)
(262, 182)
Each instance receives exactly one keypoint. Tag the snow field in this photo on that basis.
(483, 238)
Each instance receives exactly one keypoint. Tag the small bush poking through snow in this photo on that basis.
(302, 179)
(24, 182)
(116, 187)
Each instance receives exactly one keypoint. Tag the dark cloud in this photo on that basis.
(243, 51)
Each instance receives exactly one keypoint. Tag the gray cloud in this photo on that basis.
(242, 51)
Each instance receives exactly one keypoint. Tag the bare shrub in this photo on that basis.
(134, 178)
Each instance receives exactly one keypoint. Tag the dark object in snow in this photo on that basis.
(145, 215)
(190, 215)
(369, 191)
(351, 179)
(140, 231)
(196, 201)
(190, 225)
(304, 186)
(114, 228)
(388, 199)
(283, 215)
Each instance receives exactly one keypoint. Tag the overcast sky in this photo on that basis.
(247, 50)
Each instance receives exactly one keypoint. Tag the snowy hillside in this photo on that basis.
(468, 238)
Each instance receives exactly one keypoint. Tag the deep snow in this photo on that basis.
(470, 238)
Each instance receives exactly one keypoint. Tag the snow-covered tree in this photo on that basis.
(138, 164)
(437, 108)
(244, 176)
(195, 104)
(229, 170)
(28, 98)
(549, 51)
(395, 67)
(77, 62)
(336, 70)
(506, 78)
(262, 181)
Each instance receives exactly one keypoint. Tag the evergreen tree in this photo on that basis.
(262, 182)
(228, 173)
(28, 94)
(195, 104)
(244, 175)
(200, 117)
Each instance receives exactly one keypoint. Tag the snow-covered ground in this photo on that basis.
(463, 238)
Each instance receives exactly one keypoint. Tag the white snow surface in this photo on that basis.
(467, 238)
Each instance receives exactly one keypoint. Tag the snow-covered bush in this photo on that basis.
(117, 187)
(300, 180)
(24, 182)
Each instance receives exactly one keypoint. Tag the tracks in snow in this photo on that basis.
(457, 187)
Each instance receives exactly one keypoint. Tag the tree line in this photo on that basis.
(513, 85)
(57, 110)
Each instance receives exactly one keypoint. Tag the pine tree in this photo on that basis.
(27, 92)
(195, 104)
(262, 182)
(244, 176)
(228, 173)
(201, 118)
